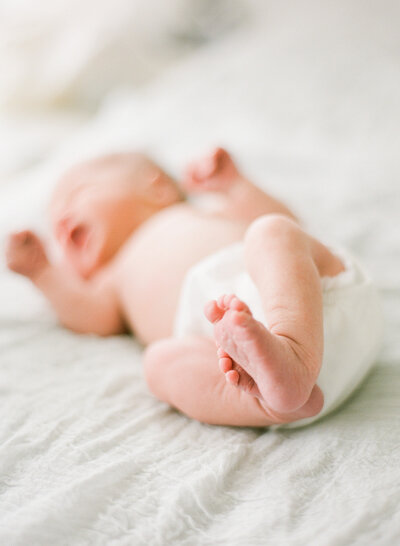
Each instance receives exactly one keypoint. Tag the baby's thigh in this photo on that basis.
(185, 374)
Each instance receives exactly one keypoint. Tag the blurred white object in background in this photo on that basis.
(28, 138)
(60, 58)
(72, 52)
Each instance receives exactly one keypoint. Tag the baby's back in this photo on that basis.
(150, 269)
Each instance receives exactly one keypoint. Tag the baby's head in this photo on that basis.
(98, 204)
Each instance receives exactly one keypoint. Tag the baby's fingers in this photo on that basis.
(20, 238)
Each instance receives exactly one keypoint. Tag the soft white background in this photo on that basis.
(306, 96)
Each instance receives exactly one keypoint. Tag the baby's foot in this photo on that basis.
(254, 359)
(216, 172)
(26, 255)
(234, 373)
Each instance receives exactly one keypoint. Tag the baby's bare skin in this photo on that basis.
(127, 251)
(165, 236)
(166, 247)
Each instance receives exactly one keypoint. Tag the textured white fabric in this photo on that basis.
(311, 110)
(353, 324)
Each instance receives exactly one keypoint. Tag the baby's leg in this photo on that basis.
(184, 373)
(241, 199)
(280, 364)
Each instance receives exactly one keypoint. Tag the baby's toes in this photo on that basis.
(239, 318)
(238, 305)
(221, 353)
(243, 380)
(232, 377)
(225, 301)
(213, 312)
(225, 364)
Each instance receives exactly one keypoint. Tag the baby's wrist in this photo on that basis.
(40, 274)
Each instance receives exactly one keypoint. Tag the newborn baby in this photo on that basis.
(287, 319)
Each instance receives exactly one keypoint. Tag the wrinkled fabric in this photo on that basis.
(309, 107)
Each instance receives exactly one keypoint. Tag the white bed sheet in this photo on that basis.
(309, 104)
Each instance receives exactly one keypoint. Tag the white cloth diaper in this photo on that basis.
(353, 324)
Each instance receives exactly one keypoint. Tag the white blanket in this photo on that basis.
(309, 105)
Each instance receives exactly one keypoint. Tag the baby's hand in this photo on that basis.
(25, 254)
(216, 172)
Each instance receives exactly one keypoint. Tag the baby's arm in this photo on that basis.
(82, 306)
(240, 198)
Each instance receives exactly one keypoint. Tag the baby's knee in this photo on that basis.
(271, 230)
(270, 226)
